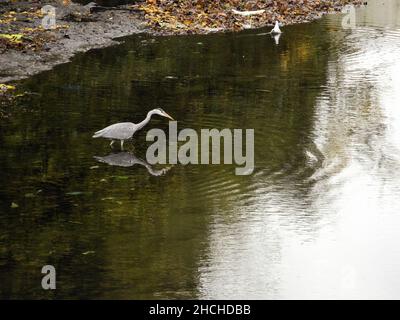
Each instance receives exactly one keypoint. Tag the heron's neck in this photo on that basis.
(140, 125)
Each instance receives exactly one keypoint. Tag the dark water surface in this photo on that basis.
(319, 217)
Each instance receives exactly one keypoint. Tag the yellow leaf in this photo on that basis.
(5, 87)
(16, 38)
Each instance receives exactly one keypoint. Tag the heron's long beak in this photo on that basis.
(168, 116)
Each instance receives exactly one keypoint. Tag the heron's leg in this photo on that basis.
(122, 144)
(133, 146)
(112, 142)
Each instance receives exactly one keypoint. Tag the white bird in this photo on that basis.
(276, 29)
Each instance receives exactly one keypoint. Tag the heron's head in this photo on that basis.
(162, 113)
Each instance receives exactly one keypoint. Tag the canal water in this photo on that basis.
(318, 218)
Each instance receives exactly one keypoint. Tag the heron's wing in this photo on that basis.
(122, 131)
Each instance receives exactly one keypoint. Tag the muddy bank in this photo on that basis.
(77, 30)
(27, 48)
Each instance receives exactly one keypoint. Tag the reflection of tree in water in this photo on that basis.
(353, 113)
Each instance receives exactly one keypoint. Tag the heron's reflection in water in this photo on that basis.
(127, 159)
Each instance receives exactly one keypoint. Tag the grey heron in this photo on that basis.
(125, 130)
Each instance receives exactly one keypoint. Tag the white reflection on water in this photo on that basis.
(341, 240)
